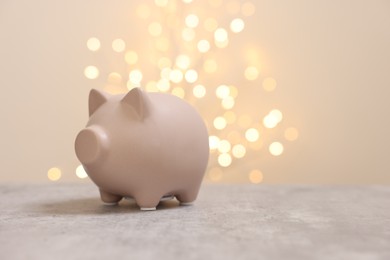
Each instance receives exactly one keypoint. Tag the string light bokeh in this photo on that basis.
(192, 51)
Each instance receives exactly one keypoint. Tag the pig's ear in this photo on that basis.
(135, 98)
(96, 99)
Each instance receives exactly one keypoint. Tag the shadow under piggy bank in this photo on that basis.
(94, 206)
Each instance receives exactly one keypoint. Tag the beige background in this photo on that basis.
(331, 60)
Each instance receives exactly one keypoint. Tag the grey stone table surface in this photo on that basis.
(68, 221)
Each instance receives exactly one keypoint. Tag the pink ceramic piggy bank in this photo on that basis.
(145, 146)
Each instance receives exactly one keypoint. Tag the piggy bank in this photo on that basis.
(144, 146)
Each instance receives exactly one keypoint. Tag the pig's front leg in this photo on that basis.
(147, 201)
(108, 198)
(187, 197)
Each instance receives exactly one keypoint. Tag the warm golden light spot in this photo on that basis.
(221, 38)
(176, 76)
(179, 92)
(187, 1)
(276, 114)
(143, 11)
(191, 76)
(270, 121)
(203, 46)
(192, 21)
(230, 117)
(162, 44)
(114, 78)
(131, 57)
(215, 174)
(276, 148)
(54, 174)
(210, 24)
(155, 29)
(163, 85)
(151, 86)
(210, 66)
(239, 151)
(172, 7)
(188, 34)
(118, 45)
(224, 159)
(161, 3)
(199, 91)
(165, 73)
(91, 72)
(222, 91)
(93, 44)
(291, 134)
(252, 55)
(237, 25)
(234, 137)
(251, 73)
(252, 135)
(224, 146)
(164, 63)
(228, 103)
(248, 9)
(220, 35)
(233, 91)
(80, 172)
(219, 123)
(183, 61)
(273, 118)
(135, 77)
(269, 84)
(244, 121)
(213, 142)
(256, 176)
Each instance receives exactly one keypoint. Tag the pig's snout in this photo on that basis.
(91, 144)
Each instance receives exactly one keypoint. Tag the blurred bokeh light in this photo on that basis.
(182, 59)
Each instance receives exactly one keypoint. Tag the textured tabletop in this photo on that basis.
(67, 221)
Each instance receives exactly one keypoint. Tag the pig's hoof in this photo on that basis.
(148, 209)
(110, 203)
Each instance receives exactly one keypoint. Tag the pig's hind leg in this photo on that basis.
(109, 198)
